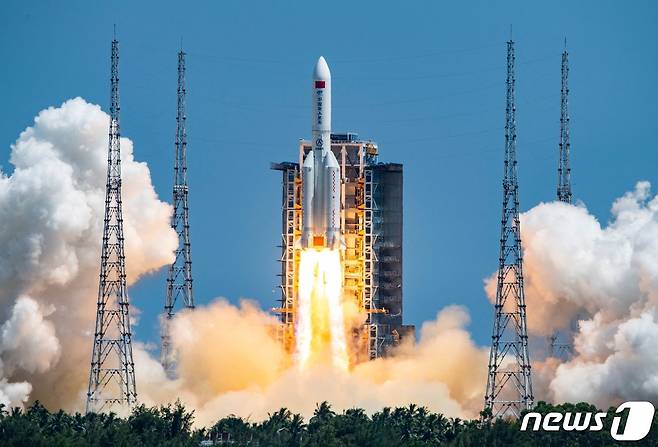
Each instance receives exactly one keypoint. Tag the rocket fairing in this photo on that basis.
(320, 171)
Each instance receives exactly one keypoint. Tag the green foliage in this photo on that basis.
(410, 426)
(169, 426)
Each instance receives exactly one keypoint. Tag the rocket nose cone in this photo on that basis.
(321, 70)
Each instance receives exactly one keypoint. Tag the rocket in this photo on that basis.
(320, 171)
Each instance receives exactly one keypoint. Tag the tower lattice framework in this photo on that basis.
(112, 374)
(558, 347)
(509, 384)
(179, 279)
(564, 168)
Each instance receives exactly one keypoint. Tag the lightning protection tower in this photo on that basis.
(557, 347)
(509, 385)
(112, 374)
(564, 168)
(179, 279)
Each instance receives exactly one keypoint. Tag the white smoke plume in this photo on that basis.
(230, 363)
(51, 209)
(606, 279)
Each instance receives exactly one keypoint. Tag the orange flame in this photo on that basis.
(320, 326)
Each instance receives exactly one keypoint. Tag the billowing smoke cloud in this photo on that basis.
(230, 363)
(28, 339)
(51, 209)
(605, 278)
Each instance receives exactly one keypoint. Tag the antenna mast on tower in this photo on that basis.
(112, 373)
(179, 279)
(509, 384)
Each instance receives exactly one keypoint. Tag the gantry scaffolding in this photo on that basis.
(371, 223)
(290, 255)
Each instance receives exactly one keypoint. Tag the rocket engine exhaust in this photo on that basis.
(320, 329)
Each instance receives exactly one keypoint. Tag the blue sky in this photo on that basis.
(423, 79)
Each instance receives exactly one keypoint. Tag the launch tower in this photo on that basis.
(371, 224)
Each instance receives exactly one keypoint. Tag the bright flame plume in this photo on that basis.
(320, 329)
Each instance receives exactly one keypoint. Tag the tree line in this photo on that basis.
(172, 426)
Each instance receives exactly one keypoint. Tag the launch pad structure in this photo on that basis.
(371, 224)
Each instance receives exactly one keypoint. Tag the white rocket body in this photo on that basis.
(320, 171)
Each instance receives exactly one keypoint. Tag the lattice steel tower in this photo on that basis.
(179, 279)
(112, 374)
(564, 168)
(509, 385)
(558, 348)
